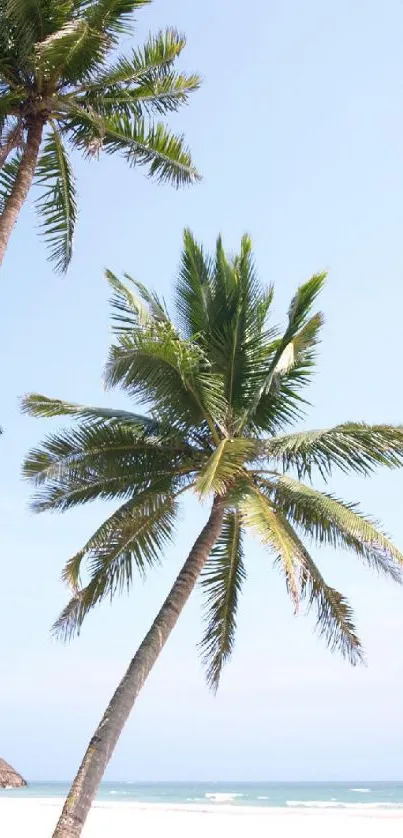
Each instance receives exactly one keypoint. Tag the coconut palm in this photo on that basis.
(64, 88)
(223, 385)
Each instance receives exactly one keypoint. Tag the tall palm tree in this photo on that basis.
(62, 87)
(223, 384)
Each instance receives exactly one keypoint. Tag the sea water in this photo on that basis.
(325, 795)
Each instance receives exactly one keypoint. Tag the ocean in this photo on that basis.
(201, 796)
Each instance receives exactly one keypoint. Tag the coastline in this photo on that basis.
(37, 818)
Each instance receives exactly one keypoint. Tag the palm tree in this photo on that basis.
(59, 92)
(223, 385)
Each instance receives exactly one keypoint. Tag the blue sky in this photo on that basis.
(298, 133)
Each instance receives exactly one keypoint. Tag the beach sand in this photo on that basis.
(36, 818)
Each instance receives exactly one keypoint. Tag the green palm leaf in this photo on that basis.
(41, 406)
(263, 520)
(141, 143)
(114, 17)
(39, 18)
(10, 101)
(57, 204)
(328, 520)
(226, 464)
(132, 308)
(165, 154)
(335, 619)
(193, 288)
(221, 581)
(294, 350)
(71, 52)
(153, 363)
(153, 96)
(8, 176)
(104, 539)
(152, 61)
(352, 446)
(108, 461)
(136, 539)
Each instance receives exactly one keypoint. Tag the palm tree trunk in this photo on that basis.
(22, 183)
(102, 744)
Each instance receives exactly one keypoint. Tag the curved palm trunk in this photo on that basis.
(103, 742)
(22, 183)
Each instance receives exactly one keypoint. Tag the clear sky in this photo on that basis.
(298, 131)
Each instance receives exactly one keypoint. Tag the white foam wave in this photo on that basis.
(222, 797)
(363, 791)
(339, 804)
(263, 797)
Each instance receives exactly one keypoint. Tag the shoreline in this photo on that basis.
(37, 818)
(382, 810)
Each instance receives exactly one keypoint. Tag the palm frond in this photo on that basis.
(262, 519)
(302, 302)
(223, 307)
(153, 61)
(114, 17)
(221, 582)
(335, 619)
(155, 364)
(193, 288)
(283, 405)
(111, 461)
(10, 103)
(37, 18)
(104, 539)
(165, 154)
(71, 53)
(328, 520)
(227, 463)
(240, 338)
(41, 406)
(12, 134)
(130, 308)
(351, 447)
(302, 341)
(57, 204)
(8, 175)
(295, 349)
(135, 539)
(147, 98)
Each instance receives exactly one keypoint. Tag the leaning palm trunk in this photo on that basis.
(104, 740)
(22, 183)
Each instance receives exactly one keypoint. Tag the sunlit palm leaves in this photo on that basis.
(220, 388)
(350, 447)
(54, 66)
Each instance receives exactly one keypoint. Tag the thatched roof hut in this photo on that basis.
(9, 778)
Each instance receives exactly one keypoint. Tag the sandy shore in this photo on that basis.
(36, 819)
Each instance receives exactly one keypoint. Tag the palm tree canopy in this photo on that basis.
(58, 63)
(224, 384)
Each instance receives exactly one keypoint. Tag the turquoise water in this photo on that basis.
(358, 794)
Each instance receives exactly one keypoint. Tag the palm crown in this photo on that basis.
(222, 384)
(63, 86)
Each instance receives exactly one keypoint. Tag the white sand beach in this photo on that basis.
(36, 819)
